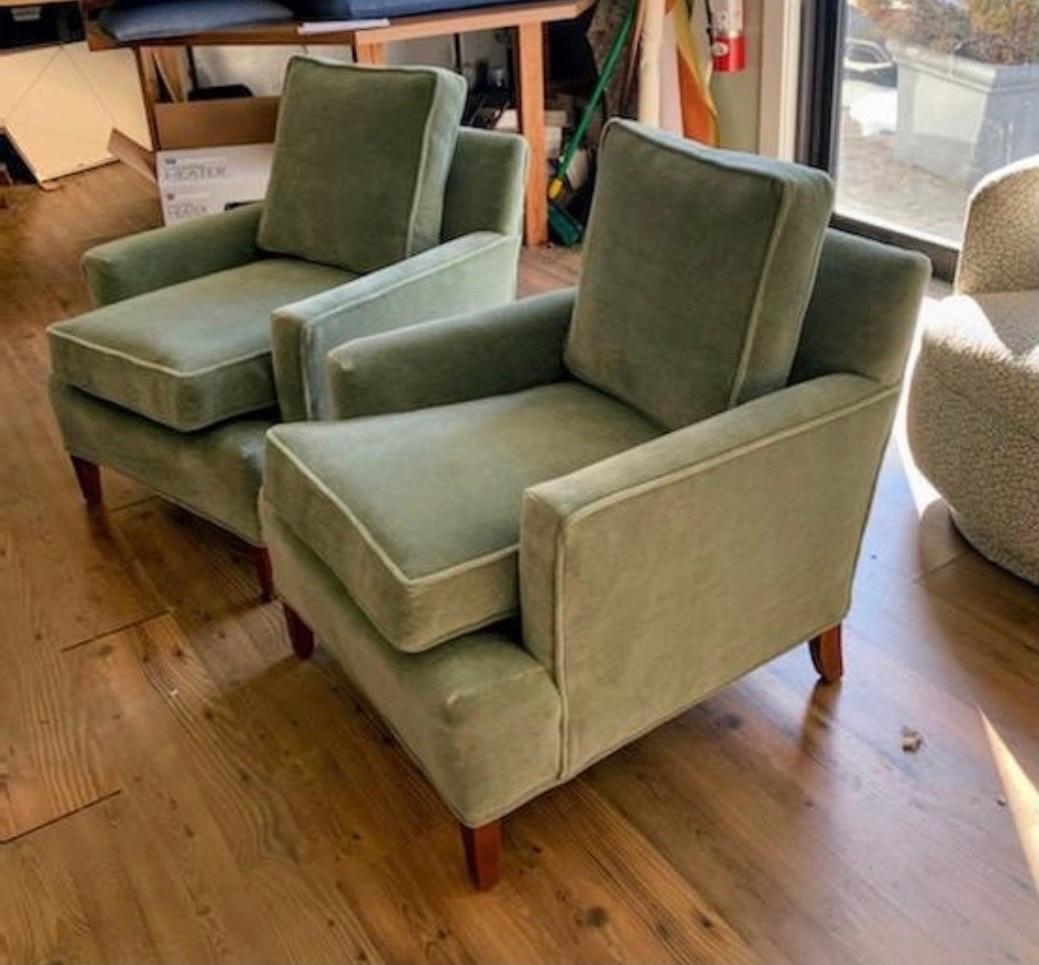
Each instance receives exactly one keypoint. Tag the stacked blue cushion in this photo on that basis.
(372, 9)
(132, 20)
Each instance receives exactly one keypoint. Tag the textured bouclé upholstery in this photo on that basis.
(697, 270)
(421, 520)
(974, 421)
(188, 355)
(974, 404)
(361, 162)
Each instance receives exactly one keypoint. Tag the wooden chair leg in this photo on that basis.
(483, 853)
(301, 636)
(262, 562)
(88, 475)
(826, 654)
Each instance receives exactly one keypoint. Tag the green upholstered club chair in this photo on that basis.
(380, 212)
(540, 530)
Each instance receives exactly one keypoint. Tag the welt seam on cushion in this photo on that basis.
(454, 632)
(558, 653)
(158, 366)
(686, 472)
(755, 312)
(470, 253)
(409, 238)
(734, 163)
(310, 325)
(558, 605)
(366, 535)
(192, 427)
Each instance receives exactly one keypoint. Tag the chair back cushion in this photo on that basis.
(698, 267)
(361, 161)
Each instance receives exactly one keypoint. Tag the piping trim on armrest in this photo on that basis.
(559, 577)
(309, 325)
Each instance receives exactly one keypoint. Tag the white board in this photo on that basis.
(58, 106)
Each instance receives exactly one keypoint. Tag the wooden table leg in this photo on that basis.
(149, 78)
(374, 55)
(531, 109)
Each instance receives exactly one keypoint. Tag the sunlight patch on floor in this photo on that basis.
(1021, 796)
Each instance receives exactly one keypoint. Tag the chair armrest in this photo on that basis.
(1001, 237)
(492, 352)
(656, 576)
(167, 256)
(469, 273)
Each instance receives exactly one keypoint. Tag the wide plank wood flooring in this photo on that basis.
(176, 787)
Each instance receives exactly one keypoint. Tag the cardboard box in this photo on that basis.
(205, 180)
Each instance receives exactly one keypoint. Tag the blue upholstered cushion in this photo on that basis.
(144, 19)
(370, 9)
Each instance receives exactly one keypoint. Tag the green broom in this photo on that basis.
(566, 227)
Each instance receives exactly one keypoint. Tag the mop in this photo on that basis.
(566, 227)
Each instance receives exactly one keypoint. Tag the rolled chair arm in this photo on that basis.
(472, 272)
(656, 576)
(167, 256)
(492, 352)
(1001, 237)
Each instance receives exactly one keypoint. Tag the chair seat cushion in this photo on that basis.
(985, 348)
(193, 354)
(418, 513)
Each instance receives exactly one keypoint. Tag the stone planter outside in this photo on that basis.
(961, 118)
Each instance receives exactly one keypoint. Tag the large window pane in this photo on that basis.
(934, 95)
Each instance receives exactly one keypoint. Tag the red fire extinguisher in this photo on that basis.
(728, 42)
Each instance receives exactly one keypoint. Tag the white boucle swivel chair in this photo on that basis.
(974, 401)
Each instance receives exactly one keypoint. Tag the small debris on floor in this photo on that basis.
(911, 740)
(1001, 801)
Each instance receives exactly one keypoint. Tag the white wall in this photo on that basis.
(737, 95)
(262, 68)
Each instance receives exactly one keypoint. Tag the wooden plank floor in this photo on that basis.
(175, 787)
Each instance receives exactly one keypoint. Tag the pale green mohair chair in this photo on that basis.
(380, 212)
(540, 530)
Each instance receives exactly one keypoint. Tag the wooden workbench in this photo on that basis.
(527, 18)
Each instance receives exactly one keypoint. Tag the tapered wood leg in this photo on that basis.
(482, 853)
(300, 634)
(826, 654)
(530, 55)
(88, 475)
(262, 562)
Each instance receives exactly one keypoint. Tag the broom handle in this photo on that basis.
(556, 186)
